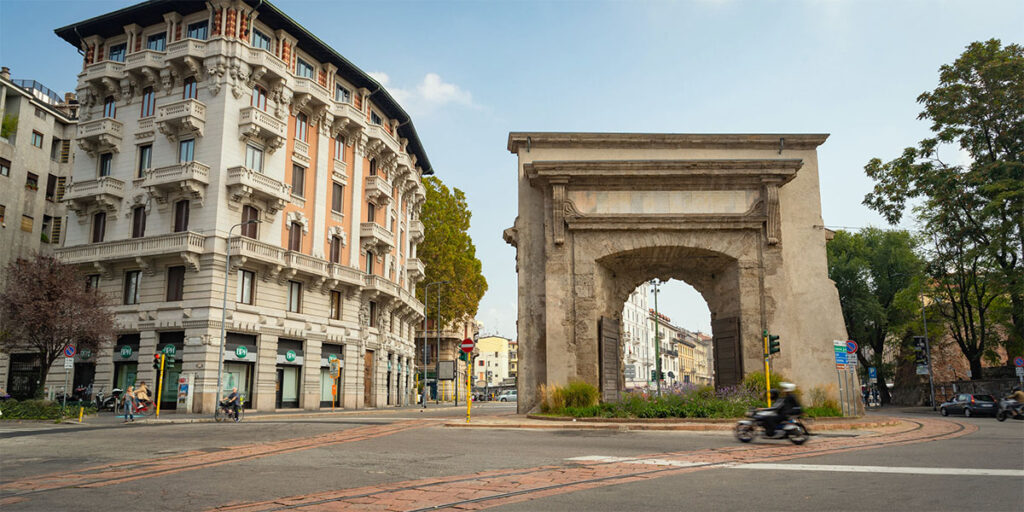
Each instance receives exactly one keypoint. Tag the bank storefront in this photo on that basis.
(289, 373)
(171, 345)
(239, 366)
(330, 387)
(126, 360)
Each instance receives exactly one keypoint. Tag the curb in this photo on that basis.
(665, 426)
(279, 416)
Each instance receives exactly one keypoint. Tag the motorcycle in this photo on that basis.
(790, 428)
(1009, 409)
(106, 402)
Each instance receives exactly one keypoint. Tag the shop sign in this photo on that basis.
(289, 356)
(241, 351)
(169, 350)
(126, 351)
(85, 354)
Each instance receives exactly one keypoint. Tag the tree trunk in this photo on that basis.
(975, 367)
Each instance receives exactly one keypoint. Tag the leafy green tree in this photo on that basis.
(448, 253)
(877, 274)
(973, 213)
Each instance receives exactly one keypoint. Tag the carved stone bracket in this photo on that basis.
(558, 209)
(773, 222)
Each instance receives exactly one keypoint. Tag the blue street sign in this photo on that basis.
(872, 372)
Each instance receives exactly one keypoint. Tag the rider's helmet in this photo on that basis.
(787, 387)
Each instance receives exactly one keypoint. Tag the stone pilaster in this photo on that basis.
(265, 380)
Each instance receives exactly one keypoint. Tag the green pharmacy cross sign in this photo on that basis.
(126, 351)
(241, 351)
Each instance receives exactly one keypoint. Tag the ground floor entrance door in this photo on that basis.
(287, 386)
(124, 375)
(368, 400)
(85, 374)
(236, 375)
(728, 357)
(23, 378)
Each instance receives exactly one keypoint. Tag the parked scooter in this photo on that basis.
(1009, 409)
(789, 428)
(106, 402)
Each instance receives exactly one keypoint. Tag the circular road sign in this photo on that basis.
(1018, 362)
(467, 345)
(851, 346)
(69, 351)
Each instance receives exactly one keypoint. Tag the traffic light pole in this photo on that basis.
(767, 378)
(928, 354)
(160, 384)
(657, 340)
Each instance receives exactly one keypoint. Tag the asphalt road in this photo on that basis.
(406, 459)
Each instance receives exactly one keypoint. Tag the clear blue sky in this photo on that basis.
(470, 72)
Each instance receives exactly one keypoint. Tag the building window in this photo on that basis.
(373, 314)
(339, 147)
(157, 42)
(189, 89)
(32, 181)
(369, 262)
(335, 305)
(110, 107)
(106, 163)
(145, 159)
(374, 118)
(37, 139)
(186, 150)
(41, 114)
(342, 94)
(197, 30)
(246, 279)
(51, 187)
(175, 283)
(254, 157)
(138, 222)
(117, 52)
(148, 102)
(56, 146)
(3, 214)
(335, 249)
(302, 68)
(26, 223)
(181, 209)
(373, 167)
(337, 197)
(298, 180)
(259, 97)
(295, 237)
(131, 286)
(301, 126)
(92, 282)
(371, 212)
(99, 227)
(5, 167)
(294, 297)
(260, 40)
(250, 213)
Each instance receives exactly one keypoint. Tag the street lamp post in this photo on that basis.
(426, 293)
(657, 341)
(224, 308)
(928, 353)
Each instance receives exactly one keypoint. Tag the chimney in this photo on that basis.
(5, 72)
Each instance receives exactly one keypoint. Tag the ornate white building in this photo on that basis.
(198, 116)
(637, 338)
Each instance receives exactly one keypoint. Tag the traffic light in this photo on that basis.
(773, 344)
(920, 351)
(156, 361)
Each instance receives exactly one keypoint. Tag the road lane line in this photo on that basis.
(883, 469)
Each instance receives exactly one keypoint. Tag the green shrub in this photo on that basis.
(828, 409)
(8, 126)
(754, 382)
(41, 409)
(552, 400)
(579, 394)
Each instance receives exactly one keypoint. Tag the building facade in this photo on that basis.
(224, 127)
(35, 164)
(444, 345)
(491, 361)
(637, 339)
(661, 329)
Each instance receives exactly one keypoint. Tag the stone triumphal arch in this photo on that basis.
(738, 217)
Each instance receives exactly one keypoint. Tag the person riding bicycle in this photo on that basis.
(142, 392)
(785, 407)
(232, 402)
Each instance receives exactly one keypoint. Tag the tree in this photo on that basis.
(448, 252)
(877, 274)
(45, 306)
(973, 213)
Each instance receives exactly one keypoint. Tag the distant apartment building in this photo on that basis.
(637, 339)
(513, 359)
(491, 363)
(218, 127)
(35, 164)
(661, 329)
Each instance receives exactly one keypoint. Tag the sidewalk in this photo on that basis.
(671, 424)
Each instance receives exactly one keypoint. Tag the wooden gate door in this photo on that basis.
(368, 395)
(728, 356)
(609, 360)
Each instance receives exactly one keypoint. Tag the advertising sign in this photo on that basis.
(446, 370)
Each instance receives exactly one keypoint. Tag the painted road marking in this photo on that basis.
(884, 469)
(634, 460)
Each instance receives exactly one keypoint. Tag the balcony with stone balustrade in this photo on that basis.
(106, 75)
(415, 231)
(262, 127)
(416, 269)
(375, 236)
(190, 178)
(378, 190)
(145, 63)
(186, 245)
(264, 65)
(104, 193)
(187, 55)
(103, 135)
(309, 93)
(244, 183)
(181, 119)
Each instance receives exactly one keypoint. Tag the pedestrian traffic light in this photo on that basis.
(773, 344)
(156, 361)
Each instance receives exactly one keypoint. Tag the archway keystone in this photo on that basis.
(736, 216)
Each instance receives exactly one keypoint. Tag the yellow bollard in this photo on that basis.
(81, 412)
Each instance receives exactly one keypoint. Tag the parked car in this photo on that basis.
(969, 405)
(508, 396)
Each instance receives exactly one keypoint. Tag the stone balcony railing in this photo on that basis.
(347, 113)
(378, 190)
(416, 231)
(378, 132)
(283, 264)
(415, 268)
(301, 151)
(346, 275)
(376, 235)
(145, 62)
(186, 53)
(265, 64)
(186, 242)
(340, 171)
(100, 135)
(263, 126)
(104, 74)
(318, 94)
(243, 182)
(189, 177)
(104, 192)
(181, 119)
(379, 284)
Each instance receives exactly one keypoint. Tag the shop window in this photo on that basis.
(175, 283)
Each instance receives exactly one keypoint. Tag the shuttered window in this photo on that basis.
(61, 187)
(250, 213)
(175, 283)
(138, 222)
(181, 210)
(57, 230)
(99, 227)
(295, 237)
(335, 249)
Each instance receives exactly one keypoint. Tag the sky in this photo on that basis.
(470, 72)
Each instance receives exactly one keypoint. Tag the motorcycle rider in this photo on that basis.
(1017, 396)
(785, 407)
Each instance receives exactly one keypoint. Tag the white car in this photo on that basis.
(508, 396)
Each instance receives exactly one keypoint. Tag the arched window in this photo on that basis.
(301, 126)
(110, 107)
(190, 90)
(259, 97)
(148, 102)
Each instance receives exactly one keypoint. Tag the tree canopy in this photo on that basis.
(45, 306)
(448, 253)
(972, 213)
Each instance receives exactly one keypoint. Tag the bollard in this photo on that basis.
(81, 412)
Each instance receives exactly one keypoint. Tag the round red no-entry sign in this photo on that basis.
(467, 345)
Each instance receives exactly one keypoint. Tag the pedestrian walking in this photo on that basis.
(129, 404)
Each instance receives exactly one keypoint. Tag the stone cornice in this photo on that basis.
(776, 141)
(705, 173)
